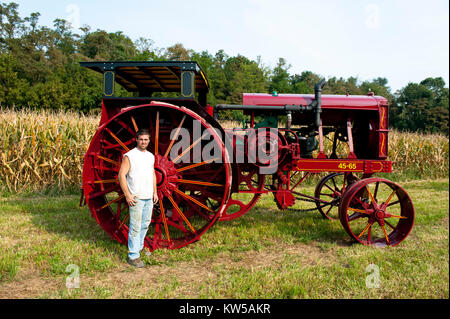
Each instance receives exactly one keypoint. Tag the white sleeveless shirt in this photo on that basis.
(140, 175)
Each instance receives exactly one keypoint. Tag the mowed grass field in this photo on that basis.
(45, 240)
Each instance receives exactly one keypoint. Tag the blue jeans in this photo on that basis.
(140, 218)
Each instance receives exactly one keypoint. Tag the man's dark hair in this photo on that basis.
(142, 131)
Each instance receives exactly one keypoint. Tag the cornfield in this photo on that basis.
(44, 149)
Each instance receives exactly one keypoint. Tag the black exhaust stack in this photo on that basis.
(318, 102)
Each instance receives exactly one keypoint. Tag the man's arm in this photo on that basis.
(155, 189)
(123, 171)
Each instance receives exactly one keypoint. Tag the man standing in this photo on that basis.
(137, 180)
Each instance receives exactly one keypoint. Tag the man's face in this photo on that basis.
(142, 141)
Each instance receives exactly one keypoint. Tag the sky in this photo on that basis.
(403, 41)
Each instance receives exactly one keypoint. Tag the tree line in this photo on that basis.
(39, 68)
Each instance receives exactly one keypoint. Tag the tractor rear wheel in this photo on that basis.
(193, 188)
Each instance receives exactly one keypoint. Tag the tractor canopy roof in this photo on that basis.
(147, 77)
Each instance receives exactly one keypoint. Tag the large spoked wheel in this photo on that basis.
(329, 192)
(193, 174)
(377, 212)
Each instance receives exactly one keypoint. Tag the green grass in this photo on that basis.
(266, 253)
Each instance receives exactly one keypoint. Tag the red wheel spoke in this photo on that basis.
(372, 198)
(394, 228)
(359, 201)
(385, 234)
(369, 225)
(390, 197)
(358, 210)
(125, 126)
(196, 165)
(108, 160)
(104, 192)
(334, 183)
(327, 195)
(326, 185)
(177, 225)
(199, 212)
(355, 216)
(108, 145)
(113, 201)
(124, 220)
(198, 183)
(175, 136)
(389, 224)
(208, 173)
(376, 189)
(393, 203)
(117, 140)
(181, 214)
(163, 216)
(106, 181)
(134, 123)
(387, 215)
(326, 213)
(102, 168)
(193, 200)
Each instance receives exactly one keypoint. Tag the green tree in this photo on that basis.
(305, 82)
(12, 88)
(422, 107)
(145, 50)
(178, 52)
(379, 87)
(243, 75)
(280, 78)
(342, 86)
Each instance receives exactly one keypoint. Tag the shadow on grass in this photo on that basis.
(62, 215)
(290, 226)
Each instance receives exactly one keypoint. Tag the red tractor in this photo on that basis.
(206, 173)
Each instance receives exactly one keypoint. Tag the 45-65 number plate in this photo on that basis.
(339, 165)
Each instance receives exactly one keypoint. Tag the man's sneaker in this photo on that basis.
(135, 262)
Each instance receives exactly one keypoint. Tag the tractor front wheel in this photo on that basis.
(377, 212)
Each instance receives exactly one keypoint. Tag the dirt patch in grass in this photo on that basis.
(29, 285)
(129, 282)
